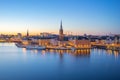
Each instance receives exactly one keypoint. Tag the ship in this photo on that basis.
(35, 47)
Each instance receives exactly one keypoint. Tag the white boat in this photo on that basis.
(62, 48)
(20, 45)
(73, 49)
(35, 47)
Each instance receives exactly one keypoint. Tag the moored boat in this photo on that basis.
(20, 45)
(35, 47)
(73, 49)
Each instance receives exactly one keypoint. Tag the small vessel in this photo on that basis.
(73, 49)
(62, 48)
(35, 47)
(20, 45)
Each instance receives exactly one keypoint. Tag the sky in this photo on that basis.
(78, 16)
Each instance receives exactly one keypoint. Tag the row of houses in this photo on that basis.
(71, 41)
(79, 42)
(105, 40)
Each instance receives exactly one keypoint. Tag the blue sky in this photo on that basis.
(78, 16)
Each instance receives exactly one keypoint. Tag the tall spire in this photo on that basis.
(61, 36)
(61, 26)
(27, 32)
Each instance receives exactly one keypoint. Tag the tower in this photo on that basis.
(27, 33)
(61, 35)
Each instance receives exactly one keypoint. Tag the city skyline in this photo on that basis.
(78, 16)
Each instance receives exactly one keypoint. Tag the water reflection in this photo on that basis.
(115, 53)
(24, 50)
(63, 64)
(82, 52)
(76, 53)
(85, 52)
(109, 52)
(43, 52)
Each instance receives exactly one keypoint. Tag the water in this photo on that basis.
(21, 64)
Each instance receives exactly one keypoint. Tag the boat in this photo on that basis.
(20, 45)
(35, 47)
(73, 49)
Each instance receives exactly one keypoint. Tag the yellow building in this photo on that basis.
(80, 43)
(44, 42)
(25, 42)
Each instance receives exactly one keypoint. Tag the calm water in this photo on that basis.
(21, 64)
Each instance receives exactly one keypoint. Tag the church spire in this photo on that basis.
(27, 32)
(61, 36)
(61, 25)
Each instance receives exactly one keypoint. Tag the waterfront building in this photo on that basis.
(101, 41)
(116, 40)
(44, 34)
(80, 42)
(54, 42)
(34, 41)
(25, 42)
(109, 40)
(15, 39)
(44, 41)
(104, 40)
(48, 41)
(62, 43)
(19, 35)
(119, 39)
